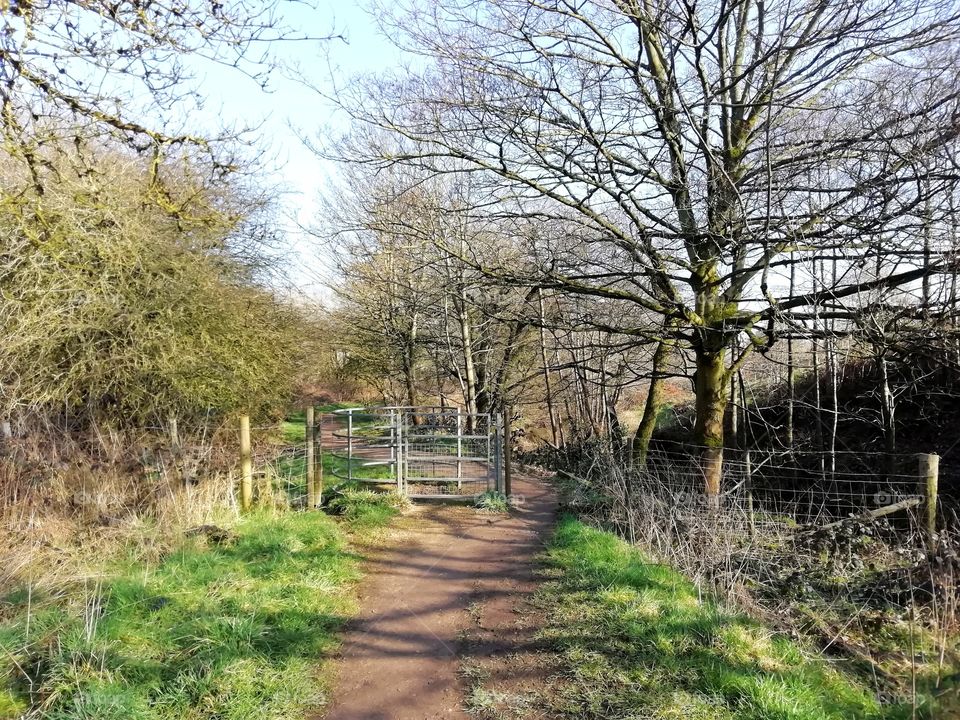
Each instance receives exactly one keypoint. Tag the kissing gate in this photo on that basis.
(430, 453)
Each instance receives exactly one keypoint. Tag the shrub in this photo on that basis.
(124, 302)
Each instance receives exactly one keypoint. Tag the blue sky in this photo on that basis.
(289, 109)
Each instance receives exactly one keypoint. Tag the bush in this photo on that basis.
(124, 301)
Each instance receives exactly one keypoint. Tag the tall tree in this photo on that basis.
(127, 68)
(691, 152)
(114, 310)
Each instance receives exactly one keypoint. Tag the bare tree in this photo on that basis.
(691, 153)
(414, 310)
(115, 310)
(94, 68)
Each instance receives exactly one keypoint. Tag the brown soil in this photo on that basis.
(448, 596)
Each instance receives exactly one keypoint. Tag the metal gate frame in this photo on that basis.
(422, 449)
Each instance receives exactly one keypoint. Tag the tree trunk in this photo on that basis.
(470, 370)
(410, 384)
(651, 409)
(711, 390)
(509, 352)
(833, 367)
(440, 393)
(409, 365)
(548, 389)
(734, 412)
(561, 392)
(888, 412)
(815, 357)
(791, 366)
(453, 357)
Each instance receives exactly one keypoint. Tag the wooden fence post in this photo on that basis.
(173, 432)
(350, 445)
(459, 449)
(310, 433)
(497, 452)
(507, 453)
(929, 480)
(318, 494)
(246, 465)
(748, 481)
(401, 456)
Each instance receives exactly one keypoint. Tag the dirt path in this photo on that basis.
(425, 594)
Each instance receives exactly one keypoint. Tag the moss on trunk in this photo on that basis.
(711, 402)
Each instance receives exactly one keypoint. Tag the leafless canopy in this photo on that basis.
(684, 156)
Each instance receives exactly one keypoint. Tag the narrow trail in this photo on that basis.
(400, 658)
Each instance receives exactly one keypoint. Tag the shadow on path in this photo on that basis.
(400, 658)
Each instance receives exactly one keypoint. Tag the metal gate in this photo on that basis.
(437, 453)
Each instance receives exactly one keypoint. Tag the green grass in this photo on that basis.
(212, 632)
(293, 428)
(293, 431)
(493, 501)
(366, 508)
(335, 470)
(638, 641)
(289, 475)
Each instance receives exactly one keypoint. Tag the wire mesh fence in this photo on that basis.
(800, 487)
(421, 452)
(821, 530)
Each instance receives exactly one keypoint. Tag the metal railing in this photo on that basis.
(426, 452)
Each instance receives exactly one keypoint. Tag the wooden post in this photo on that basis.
(929, 480)
(349, 445)
(319, 479)
(173, 432)
(459, 449)
(507, 454)
(497, 454)
(394, 470)
(401, 456)
(310, 435)
(246, 465)
(748, 481)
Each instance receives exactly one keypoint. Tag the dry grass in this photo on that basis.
(67, 505)
(864, 591)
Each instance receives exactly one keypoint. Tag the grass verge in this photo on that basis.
(637, 640)
(230, 626)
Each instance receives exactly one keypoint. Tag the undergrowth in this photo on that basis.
(366, 507)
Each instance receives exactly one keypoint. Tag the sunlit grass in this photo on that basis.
(225, 631)
(638, 640)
